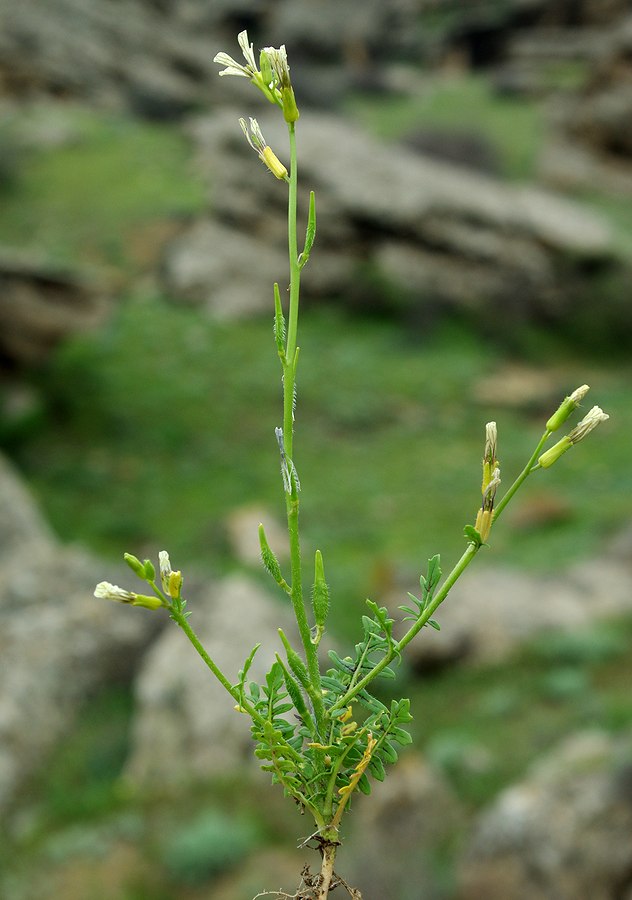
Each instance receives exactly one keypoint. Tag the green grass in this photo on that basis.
(81, 203)
(513, 126)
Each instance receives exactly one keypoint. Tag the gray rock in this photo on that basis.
(491, 612)
(562, 833)
(594, 126)
(242, 528)
(182, 708)
(223, 270)
(395, 835)
(57, 642)
(155, 59)
(41, 304)
(396, 225)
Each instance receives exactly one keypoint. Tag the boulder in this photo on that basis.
(395, 835)
(592, 143)
(182, 708)
(399, 230)
(563, 832)
(41, 304)
(491, 612)
(58, 644)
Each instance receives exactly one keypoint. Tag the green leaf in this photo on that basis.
(376, 767)
(388, 752)
(401, 736)
(364, 784)
(473, 535)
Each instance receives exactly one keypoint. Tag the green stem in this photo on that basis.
(437, 600)
(523, 475)
(289, 386)
(181, 620)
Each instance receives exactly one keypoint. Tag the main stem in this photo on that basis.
(327, 869)
(289, 388)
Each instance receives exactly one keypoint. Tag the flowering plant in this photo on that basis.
(340, 736)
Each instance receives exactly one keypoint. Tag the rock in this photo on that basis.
(242, 526)
(182, 708)
(57, 642)
(563, 832)
(154, 59)
(41, 305)
(594, 125)
(395, 836)
(401, 230)
(491, 612)
(227, 272)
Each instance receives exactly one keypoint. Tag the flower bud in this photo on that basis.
(135, 565)
(566, 407)
(553, 453)
(582, 430)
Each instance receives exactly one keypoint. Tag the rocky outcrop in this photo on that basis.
(396, 834)
(41, 304)
(394, 229)
(182, 708)
(491, 612)
(57, 643)
(563, 832)
(593, 142)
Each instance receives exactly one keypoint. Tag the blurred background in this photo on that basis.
(473, 170)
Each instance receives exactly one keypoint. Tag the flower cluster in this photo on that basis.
(271, 76)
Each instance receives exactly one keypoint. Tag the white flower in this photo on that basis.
(253, 135)
(277, 58)
(165, 569)
(235, 68)
(265, 153)
(106, 591)
(587, 424)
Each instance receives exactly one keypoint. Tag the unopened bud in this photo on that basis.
(566, 407)
(135, 565)
(582, 430)
(490, 461)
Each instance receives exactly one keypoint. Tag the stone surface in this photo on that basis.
(242, 527)
(491, 612)
(57, 642)
(593, 141)
(182, 709)
(394, 835)
(563, 832)
(395, 228)
(41, 304)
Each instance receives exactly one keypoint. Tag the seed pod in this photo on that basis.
(296, 664)
(320, 592)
